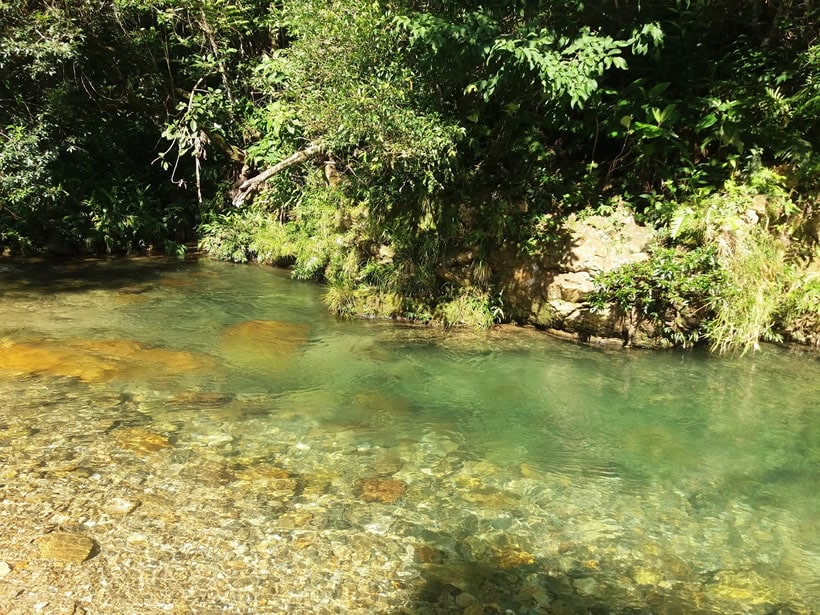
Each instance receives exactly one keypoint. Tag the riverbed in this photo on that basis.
(201, 437)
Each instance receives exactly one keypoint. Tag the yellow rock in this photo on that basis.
(261, 345)
(644, 576)
(302, 542)
(319, 483)
(746, 588)
(262, 473)
(141, 440)
(513, 558)
(159, 508)
(295, 520)
(43, 358)
(66, 547)
(381, 490)
(99, 360)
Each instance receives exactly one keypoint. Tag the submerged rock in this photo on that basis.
(386, 491)
(262, 472)
(66, 547)
(261, 345)
(586, 586)
(44, 358)
(512, 557)
(120, 506)
(141, 440)
(740, 587)
(99, 360)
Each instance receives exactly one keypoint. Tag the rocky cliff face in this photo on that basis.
(550, 290)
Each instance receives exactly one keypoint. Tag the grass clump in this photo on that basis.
(469, 307)
(753, 291)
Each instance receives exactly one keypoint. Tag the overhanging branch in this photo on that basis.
(251, 186)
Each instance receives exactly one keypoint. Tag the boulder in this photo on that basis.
(550, 290)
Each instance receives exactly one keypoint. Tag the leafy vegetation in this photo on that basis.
(673, 290)
(395, 149)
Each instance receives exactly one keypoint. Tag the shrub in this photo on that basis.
(672, 290)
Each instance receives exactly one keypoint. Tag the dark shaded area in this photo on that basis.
(83, 274)
(481, 587)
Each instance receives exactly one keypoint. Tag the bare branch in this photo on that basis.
(250, 186)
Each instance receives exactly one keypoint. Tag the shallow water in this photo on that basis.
(434, 471)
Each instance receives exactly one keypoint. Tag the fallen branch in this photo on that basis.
(250, 186)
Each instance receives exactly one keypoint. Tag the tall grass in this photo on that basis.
(753, 290)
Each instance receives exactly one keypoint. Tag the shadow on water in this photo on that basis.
(506, 580)
(490, 587)
(485, 588)
(77, 275)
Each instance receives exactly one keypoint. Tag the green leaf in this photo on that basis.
(707, 122)
(626, 121)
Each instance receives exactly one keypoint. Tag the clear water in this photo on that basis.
(611, 479)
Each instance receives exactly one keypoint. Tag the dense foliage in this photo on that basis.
(400, 138)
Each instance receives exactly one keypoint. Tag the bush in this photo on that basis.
(799, 314)
(672, 290)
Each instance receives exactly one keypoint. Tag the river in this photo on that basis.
(224, 445)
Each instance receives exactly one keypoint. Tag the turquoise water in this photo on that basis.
(593, 478)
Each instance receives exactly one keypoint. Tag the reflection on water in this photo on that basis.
(503, 468)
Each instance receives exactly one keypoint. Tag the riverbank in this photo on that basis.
(723, 279)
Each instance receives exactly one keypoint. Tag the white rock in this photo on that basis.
(120, 506)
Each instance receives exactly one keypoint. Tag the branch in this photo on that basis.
(250, 186)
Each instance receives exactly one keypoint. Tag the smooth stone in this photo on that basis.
(5, 569)
(586, 586)
(386, 491)
(643, 576)
(137, 538)
(379, 526)
(141, 440)
(120, 506)
(214, 440)
(66, 547)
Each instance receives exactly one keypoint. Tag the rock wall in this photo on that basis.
(550, 290)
